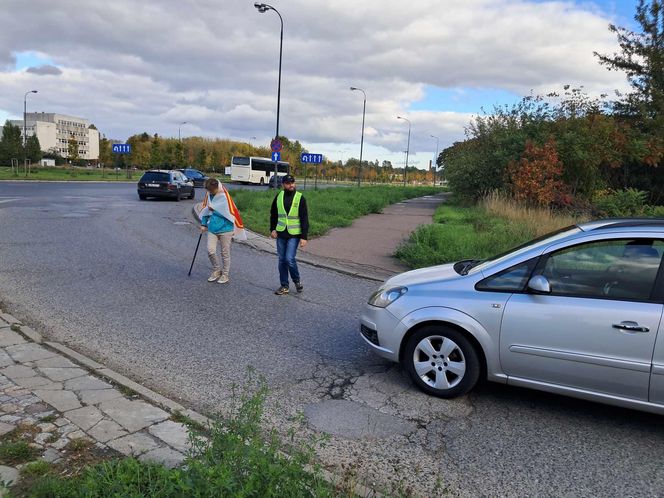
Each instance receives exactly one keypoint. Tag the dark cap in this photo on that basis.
(288, 179)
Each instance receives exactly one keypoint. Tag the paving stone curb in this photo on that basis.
(129, 440)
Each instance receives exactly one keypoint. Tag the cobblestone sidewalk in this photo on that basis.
(61, 400)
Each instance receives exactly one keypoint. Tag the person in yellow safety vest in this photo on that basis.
(289, 224)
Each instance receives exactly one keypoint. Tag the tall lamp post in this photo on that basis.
(364, 110)
(262, 8)
(180, 126)
(435, 160)
(25, 131)
(405, 170)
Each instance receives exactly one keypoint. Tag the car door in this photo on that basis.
(596, 328)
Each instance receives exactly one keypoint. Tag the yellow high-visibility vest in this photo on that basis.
(289, 221)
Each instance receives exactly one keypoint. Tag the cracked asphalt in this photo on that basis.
(91, 266)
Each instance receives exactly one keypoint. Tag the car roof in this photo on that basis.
(159, 170)
(636, 224)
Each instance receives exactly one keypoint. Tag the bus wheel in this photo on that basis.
(262, 182)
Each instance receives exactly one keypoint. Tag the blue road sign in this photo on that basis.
(276, 145)
(311, 158)
(122, 148)
(276, 156)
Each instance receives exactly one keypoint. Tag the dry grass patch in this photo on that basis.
(539, 221)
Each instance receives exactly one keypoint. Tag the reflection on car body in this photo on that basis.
(576, 312)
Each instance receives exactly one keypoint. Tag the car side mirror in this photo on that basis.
(539, 284)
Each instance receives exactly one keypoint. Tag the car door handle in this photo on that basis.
(631, 327)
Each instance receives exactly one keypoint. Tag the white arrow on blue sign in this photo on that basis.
(276, 156)
(311, 158)
(122, 148)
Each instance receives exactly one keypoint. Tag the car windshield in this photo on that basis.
(155, 176)
(466, 266)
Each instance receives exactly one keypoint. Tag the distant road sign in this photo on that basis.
(276, 156)
(276, 145)
(311, 158)
(122, 148)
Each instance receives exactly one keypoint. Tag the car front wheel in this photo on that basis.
(441, 361)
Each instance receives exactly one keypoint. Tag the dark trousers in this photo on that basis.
(286, 250)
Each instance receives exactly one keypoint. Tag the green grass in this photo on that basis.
(328, 208)
(238, 459)
(15, 452)
(461, 233)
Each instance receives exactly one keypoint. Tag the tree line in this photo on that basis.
(213, 155)
(565, 149)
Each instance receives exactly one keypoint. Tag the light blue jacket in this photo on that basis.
(216, 223)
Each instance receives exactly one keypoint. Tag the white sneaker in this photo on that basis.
(215, 275)
(223, 280)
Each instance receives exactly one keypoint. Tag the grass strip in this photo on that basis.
(328, 208)
(462, 233)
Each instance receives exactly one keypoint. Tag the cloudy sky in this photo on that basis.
(132, 66)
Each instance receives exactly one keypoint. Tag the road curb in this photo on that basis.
(167, 404)
(173, 407)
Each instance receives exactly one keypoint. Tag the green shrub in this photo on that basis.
(622, 203)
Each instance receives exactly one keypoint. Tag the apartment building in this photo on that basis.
(55, 130)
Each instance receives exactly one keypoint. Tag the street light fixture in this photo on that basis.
(262, 8)
(25, 136)
(435, 160)
(405, 170)
(180, 126)
(364, 109)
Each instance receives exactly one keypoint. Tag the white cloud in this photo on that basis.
(131, 67)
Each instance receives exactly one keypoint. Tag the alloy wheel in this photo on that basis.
(439, 362)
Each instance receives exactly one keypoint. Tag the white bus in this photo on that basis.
(255, 169)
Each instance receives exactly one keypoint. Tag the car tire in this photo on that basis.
(193, 193)
(142, 197)
(447, 375)
(177, 196)
(262, 182)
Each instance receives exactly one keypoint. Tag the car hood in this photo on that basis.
(423, 276)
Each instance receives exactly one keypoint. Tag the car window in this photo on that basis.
(614, 269)
(513, 279)
(542, 241)
(155, 176)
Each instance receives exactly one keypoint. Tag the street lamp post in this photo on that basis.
(25, 131)
(435, 160)
(405, 170)
(262, 8)
(364, 110)
(180, 126)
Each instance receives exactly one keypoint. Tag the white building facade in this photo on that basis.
(55, 130)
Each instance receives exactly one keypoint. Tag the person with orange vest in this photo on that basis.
(289, 224)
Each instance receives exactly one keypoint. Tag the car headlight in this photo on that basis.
(382, 298)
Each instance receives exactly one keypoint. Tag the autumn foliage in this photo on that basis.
(536, 178)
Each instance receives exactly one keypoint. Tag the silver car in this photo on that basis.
(575, 312)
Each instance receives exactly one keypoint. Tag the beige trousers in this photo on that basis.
(225, 243)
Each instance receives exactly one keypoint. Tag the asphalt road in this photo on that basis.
(92, 266)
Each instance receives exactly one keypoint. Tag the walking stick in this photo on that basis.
(195, 252)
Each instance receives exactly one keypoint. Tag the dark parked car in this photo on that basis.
(272, 184)
(165, 183)
(198, 177)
